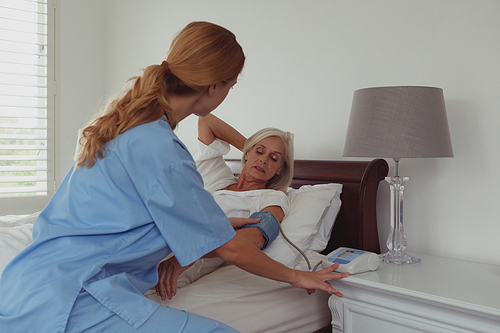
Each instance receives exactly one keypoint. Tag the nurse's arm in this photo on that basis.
(170, 270)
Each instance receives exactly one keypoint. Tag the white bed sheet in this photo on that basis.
(251, 303)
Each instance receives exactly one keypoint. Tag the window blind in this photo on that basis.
(24, 162)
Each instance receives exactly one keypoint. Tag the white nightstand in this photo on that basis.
(436, 295)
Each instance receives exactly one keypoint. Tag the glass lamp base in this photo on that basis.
(398, 258)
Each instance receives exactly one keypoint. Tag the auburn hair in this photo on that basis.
(200, 55)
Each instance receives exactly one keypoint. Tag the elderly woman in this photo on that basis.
(267, 171)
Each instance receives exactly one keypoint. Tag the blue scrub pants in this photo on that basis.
(90, 316)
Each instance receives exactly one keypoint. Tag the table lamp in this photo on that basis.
(398, 122)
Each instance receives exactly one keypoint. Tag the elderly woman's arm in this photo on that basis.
(242, 254)
(254, 235)
(211, 127)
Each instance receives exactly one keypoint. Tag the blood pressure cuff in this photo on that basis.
(268, 225)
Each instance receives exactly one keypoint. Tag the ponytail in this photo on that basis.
(142, 103)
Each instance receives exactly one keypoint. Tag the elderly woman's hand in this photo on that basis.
(311, 281)
(168, 274)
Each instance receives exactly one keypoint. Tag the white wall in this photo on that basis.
(304, 61)
(80, 74)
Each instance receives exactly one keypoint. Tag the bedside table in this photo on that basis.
(436, 295)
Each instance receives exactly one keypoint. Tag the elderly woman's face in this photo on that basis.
(266, 158)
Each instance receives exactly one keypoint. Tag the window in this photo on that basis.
(26, 105)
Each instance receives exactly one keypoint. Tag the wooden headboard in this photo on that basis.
(356, 224)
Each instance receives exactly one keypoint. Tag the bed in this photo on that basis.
(253, 304)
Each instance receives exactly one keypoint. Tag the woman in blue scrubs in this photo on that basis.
(132, 197)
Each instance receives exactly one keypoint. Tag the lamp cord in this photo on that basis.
(396, 167)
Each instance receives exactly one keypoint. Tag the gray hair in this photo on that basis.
(282, 180)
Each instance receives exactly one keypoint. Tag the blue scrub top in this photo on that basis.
(105, 230)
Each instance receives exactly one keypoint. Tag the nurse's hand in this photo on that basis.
(238, 222)
(168, 274)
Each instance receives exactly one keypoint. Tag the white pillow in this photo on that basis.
(321, 238)
(313, 209)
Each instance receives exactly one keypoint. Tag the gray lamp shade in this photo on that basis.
(398, 122)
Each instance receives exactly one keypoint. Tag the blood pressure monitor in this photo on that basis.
(351, 260)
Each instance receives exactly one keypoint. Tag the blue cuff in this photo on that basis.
(268, 225)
